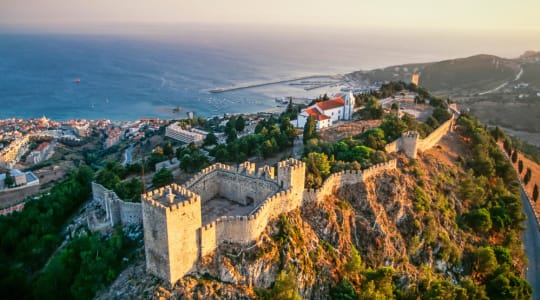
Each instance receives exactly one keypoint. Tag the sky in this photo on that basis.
(492, 15)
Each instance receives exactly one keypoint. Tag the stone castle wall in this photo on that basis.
(348, 177)
(235, 184)
(434, 138)
(410, 143)
(178, 239)
(117, 210)
(246, 229)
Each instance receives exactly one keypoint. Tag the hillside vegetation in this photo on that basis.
(499, 91)
(444, 226)
(463, 75)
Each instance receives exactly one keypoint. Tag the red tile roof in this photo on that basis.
(314, 113)
(42, 146)
(331, 104)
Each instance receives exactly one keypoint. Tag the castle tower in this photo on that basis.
(171, 220)
(409, 144)
(291, 174)
(349, 106)
(415, 78)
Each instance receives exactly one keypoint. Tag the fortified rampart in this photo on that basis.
(174, 234)
(117, 211)
(240, 184)
(410, 142)
(348, 177)
(178, 209)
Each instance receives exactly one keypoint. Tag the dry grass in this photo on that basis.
(336, 133)
(535, 179)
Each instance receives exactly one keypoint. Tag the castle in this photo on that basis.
(178, 231)
(177, 227)
(225, 204)
(410, 143)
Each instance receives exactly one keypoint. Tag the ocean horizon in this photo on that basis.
(126, 77)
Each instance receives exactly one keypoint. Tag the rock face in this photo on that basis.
(377, 218)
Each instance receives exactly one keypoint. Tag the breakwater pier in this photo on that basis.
(259, 84)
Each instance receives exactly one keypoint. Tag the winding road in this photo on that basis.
(127, 155)
(531, 240)
(504, 84)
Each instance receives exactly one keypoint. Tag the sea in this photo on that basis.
(127, 75)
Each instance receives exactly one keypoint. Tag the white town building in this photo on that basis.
(187, 136)
(327, 112)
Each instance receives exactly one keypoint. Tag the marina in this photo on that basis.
(260, 84)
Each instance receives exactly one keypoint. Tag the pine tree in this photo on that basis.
(507, 146)
(9, 181)
(310, 129)
(535, 192)
(514, 156)
(527, 176)
(240, 124)
(520, 166)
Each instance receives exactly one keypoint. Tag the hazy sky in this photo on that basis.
(455, 14)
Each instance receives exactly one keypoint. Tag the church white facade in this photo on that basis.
(327, 112)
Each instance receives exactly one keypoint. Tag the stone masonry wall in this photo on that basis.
(236, 184)
(117, 210)
(410, 144)
(156, 244)
(207, 187)
(246, 229)
(348, 177)
(130, 213)
(183, 225)
(432, 139)
(237, 187)
(190, 241)
(171, 231)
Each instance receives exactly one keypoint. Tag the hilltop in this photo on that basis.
(460, 76)
(499, 91)
(432, 228)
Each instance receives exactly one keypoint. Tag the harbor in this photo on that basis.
(337, 79)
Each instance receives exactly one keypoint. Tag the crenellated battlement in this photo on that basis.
(244, 169)
(285, 192)
(292, 164)
(410, 134)
(247, 168)
(175, 236)
(171, 197)
(117, 211)
(266, 172)
(410, 142)
(347, 177)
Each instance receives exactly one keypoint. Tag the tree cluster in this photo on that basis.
(347, 154)
(269, 138)
(87, 264)
(492, 208)
(112, 176)
(191, 158)
(31, 236)
(162, 177)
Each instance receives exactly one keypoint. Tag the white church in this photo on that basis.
(327, 112)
